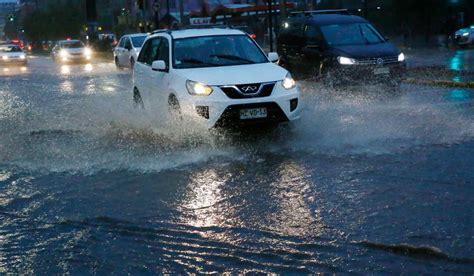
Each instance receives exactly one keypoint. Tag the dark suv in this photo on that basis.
(338, 47)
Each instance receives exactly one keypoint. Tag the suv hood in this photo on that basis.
(367, 51)
(235, 74)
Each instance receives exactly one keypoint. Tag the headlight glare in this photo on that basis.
(198, 89)
(288, 82)
(5, 57)
(23, 57)
(401, 57)
(87, 51)
(465, 34)
(63, 53)
(346, 60)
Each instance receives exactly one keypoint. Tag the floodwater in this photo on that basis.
(365, 182)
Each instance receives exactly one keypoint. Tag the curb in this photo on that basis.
(444, 83)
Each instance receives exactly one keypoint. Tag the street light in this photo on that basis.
(270, 24)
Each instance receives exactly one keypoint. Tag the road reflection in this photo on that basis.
(290, 191)
(462, 61)
(459, 95)
(282, 201)
(203, 199)
(13, 70)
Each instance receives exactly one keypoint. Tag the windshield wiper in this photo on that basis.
(232, 57)
(196, 61)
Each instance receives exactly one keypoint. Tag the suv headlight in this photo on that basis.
(63, 53)
(87, 51)
(401, 57)
(346, 61)
(288, 82)
(198, 89)
(465, 34)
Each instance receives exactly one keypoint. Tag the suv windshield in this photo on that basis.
(351, 34)
(10, 49)
(73, 44)
(138, 41)
(222, 50)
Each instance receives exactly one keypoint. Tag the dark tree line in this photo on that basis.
(57, 21)
(425, 17)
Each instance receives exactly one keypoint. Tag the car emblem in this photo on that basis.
(249, 89)
(379, 61)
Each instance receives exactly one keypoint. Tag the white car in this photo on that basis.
(464, 37)
(12, 54)
(71, 51)
(127, 50)
(215, 76)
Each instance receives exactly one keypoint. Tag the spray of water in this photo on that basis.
(84, 123)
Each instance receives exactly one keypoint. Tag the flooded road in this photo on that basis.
(365, 182)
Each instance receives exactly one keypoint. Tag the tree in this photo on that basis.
(58, 21)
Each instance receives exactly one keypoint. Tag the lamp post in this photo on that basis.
(270, 24)
(156, 9)
(168, 20)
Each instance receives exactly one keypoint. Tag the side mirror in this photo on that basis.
(159, 65)
(128, 47)
(273, 57)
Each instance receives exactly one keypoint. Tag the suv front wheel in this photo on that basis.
(137, 99)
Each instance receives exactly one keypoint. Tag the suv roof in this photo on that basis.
(136, 34)
(199, 32)
(327, 19)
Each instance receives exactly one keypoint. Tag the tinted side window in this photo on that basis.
(122, 42)
(145, 52)
(128, 43)
(313, 35)
(292, 33)
(155, 44)
(164, 52)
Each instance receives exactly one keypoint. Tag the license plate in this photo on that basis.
(253, 113)
(382, 71)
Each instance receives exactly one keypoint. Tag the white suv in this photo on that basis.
(216, 76)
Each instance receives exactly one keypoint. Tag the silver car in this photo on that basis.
(71, 51)
(127, 50)
(12, 54)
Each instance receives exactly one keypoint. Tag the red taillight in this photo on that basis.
(253, 36)
(68, 38)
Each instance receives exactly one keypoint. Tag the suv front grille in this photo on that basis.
(254, 90)
(377, 61)
(231, 115)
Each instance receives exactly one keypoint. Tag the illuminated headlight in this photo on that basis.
(5, 57)
(401, 57)
(198, 89)
(63, 53)
(23, 57)
(288, 82)
(87, 52)
(465, 34)
(346, 61)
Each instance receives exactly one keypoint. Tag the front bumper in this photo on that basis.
(368, 74)
(75, 58)
(218, 109)
(13, 61)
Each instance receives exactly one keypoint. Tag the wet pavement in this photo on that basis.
(365, 182)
